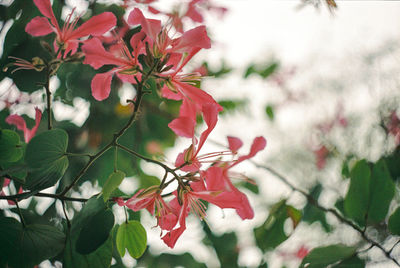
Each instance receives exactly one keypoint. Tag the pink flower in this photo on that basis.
(190, 41)
(393, 127)
(186, 200)
(151, 200)
(67, 37)
(320, 156)
(20, 123)
(126, 63)
(184, 126)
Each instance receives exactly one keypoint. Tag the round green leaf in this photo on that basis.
(112, 183)
(45, 155)
(46, 148)
(323, 256)
(394, 222)
(41, 242)
(9, 146)
(95, 232)
(131, 236)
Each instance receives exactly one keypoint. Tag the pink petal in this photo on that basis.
(6, 182)
(151, 27)
(29, 134)
(234, 144)
(193, 13)
(210, 115)
(168, 94)
(39, 26)
(45, 8)
(196, 95)
(167, 221)
(188, 109)
(214, 178)
(101, 85)
(183, 126)
(17, 121)
(97, 25)
(171, 237)
(137, 40)
(193, 167)
(97, 56)
(194, 38)
(245, 211)
(71, 47)
(259, 144)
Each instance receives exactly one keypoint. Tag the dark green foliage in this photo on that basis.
(323, 256)
(26, 246)
(312, 214)
(46, 157)
(225, 247)
(271, 234)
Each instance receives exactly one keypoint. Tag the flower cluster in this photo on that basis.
(159, 52)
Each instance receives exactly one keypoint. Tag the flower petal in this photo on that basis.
(210, 115)
(101, 86)
(183, 126)
(38, 26)
(17, 121)
(259, 144)
(45, 8)
(194, 38)
(234, 144)
(150, 26)
(97, 56)
(171, 237)
(97, 25)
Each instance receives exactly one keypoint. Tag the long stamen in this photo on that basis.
(214, 154)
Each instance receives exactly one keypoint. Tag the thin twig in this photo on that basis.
(315, 203)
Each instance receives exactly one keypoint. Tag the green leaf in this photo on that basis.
(112, 183)
(10, 148)
(41, 242)
(382, 192)
(95, 232)
(270, 69)
(269, 110)
(102, 256)
(312, 214)
(353, 262)
(98, 259)
(356, 201)
(394, 222)
(46, 156)
(225, 246)
(10, 234)
(92, 207)
(294, 214)
(271, 233)
(321, 257)
(131, 236)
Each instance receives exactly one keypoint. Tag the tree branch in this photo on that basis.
(315, 203)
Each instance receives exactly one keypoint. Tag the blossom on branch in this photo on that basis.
(67, 38)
